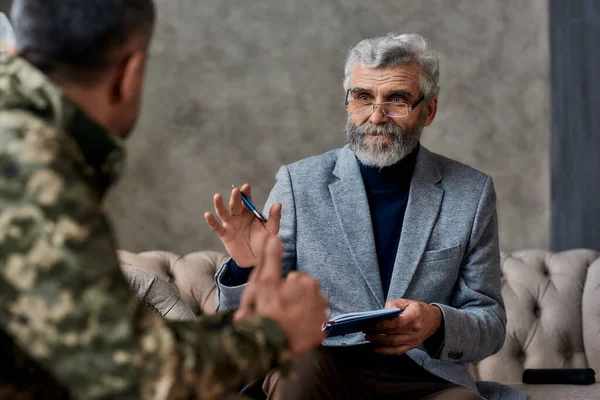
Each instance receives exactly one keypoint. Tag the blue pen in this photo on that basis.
(252, 207)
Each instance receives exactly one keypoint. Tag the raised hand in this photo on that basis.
(241, 232)
(295, 303)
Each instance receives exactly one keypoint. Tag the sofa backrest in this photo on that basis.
(552, 303)
(553, 309)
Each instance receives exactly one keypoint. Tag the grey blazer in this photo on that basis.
(448, 253)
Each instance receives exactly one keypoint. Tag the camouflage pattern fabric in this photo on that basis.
(69, 325)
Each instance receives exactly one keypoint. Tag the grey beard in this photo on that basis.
(380, 153)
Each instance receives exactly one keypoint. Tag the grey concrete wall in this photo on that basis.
(238, 88)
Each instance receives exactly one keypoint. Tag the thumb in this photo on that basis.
(400, 303)
(274, 220)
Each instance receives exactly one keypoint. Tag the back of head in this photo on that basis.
(76, 39)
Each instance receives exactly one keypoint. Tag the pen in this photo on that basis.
(251, 206)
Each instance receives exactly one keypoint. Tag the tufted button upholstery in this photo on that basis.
(190, 278)
(553, 309)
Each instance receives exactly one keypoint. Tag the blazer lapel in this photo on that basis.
(352, 209)
(424, 201)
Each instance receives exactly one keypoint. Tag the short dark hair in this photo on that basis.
(77, 34)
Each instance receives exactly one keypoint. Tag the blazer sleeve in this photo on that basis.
(228, 297)
(475, 321)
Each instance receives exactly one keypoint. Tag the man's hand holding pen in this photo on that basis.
(241, 228)
(294, 302)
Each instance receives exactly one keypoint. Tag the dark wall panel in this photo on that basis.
(575, 142)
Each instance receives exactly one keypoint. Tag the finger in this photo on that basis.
(214, 224)
(393, 351)
(390, 340)
(388, 325)
(373, 329)
(220, 208)
(413, 327)
(407, 317)
(269, 268)
(255, 273)
(274, 220)
(398, 303)
(235, 202)
(294, 276)
(247, 190)
(303, 280)
(247, 303)
(242, 314)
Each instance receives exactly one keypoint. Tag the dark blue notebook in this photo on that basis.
(344, 324)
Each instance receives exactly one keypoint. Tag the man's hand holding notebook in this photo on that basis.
(344, 324)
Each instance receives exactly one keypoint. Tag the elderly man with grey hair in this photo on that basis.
(383, 222)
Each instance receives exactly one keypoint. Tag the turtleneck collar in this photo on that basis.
(393, 177)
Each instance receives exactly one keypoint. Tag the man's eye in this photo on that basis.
(364, 97)
(397, 99)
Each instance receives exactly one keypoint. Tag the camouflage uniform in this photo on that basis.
(68, 322)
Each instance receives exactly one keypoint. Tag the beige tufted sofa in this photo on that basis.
(552, 302)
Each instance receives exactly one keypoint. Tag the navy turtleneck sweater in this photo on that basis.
(387, 191)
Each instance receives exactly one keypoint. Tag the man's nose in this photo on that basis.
(378, 116)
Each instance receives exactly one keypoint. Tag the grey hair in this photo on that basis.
(394, 50)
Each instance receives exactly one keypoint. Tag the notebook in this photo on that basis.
(344, 324)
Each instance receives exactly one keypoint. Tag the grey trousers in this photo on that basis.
(332, 374)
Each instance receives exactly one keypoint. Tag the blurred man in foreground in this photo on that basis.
(69, 325)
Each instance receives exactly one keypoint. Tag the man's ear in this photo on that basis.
(430, 111)
(127, 83)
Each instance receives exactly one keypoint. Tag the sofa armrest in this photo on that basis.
(191, 276)
(156, 293)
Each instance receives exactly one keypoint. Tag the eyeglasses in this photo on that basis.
(393, 109)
